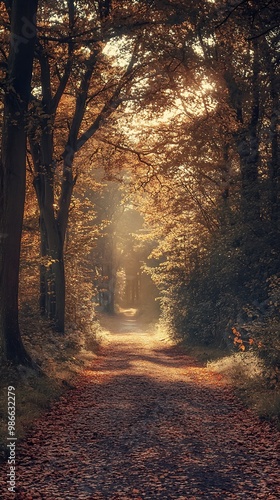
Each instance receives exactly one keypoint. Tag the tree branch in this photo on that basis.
(230, 13)
(111, 105)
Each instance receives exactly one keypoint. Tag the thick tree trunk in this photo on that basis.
(12, 174)
(13, 186)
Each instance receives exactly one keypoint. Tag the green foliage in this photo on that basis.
(262, 326)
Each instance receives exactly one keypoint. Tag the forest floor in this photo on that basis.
(146, 421)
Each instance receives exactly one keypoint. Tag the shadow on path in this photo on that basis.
(147, 422)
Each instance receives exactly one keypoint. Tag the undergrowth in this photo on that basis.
(253, 383)
(61, 358)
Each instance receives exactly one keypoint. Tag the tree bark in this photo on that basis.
(12, 174)
(249, 162)
(52, 274)
(247, 139)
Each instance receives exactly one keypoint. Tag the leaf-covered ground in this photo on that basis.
(147, 422)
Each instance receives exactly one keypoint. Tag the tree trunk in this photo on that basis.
(247, 148)
(52, 231)
(110, 309)
(13, 185)
(247, 139)
(43, 269)
(52, 276)
(12, 174)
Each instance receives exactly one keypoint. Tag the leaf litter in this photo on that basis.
(146, 421)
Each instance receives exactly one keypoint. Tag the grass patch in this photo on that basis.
(239, 366)
(33, 395)
(60, 357)
(254, 383)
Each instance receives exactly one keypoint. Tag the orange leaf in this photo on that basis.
(238, 341)
(236, 332)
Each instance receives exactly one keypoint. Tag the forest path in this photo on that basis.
(148, 422)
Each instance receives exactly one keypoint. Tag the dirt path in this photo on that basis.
(148, 423)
